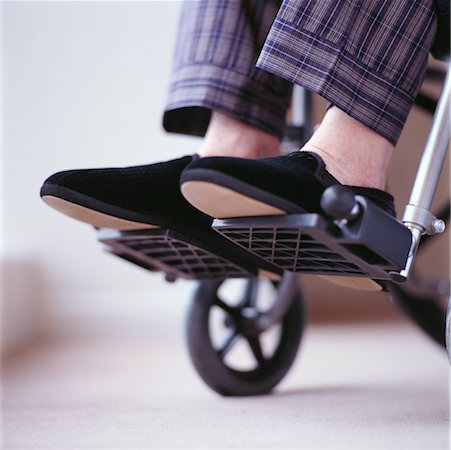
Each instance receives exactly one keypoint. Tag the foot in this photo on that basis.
(235, 187)
(148, 197)
(128, 198)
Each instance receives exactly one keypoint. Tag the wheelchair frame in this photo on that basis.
(361, 246)
(417, 216)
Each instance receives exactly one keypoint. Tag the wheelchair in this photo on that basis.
(245, 345)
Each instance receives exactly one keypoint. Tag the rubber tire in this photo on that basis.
(224, 380)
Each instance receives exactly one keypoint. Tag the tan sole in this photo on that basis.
(359, 283)
(223, 203)
(92, 217)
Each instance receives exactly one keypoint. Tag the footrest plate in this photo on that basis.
(372, 247)
(176, 254)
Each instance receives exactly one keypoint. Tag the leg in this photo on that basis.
(215, 88)
(345, 145)
(215, 91)
(366, 57)
(227, 136)
(215, 85)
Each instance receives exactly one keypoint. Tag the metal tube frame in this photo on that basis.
(286, 295)
(417, 215)
(302, 106)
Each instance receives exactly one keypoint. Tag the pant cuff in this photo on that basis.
(338, 77)
(197, 90)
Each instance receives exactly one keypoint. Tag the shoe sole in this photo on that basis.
(224, 197)
(157, 247)
(92, 217)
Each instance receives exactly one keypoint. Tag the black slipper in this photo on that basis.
(225, 187)
(179, 239)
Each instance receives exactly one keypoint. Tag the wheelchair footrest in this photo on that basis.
(175, 254)
(373, 245)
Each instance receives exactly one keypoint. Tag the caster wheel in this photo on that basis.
(227, 347)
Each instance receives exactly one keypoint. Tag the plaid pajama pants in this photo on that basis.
(241, 57)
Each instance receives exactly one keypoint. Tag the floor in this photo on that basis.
(352, 387)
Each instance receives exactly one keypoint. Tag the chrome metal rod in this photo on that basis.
(417, 216)
(434, 154)
(286, 295)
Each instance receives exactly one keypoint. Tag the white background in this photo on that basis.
(84, 85)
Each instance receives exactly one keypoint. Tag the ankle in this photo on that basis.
(229, 137)
(353, 154)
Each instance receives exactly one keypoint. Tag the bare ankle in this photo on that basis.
(353, 154)
(229, 137)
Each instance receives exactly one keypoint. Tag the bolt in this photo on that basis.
(438, 226)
